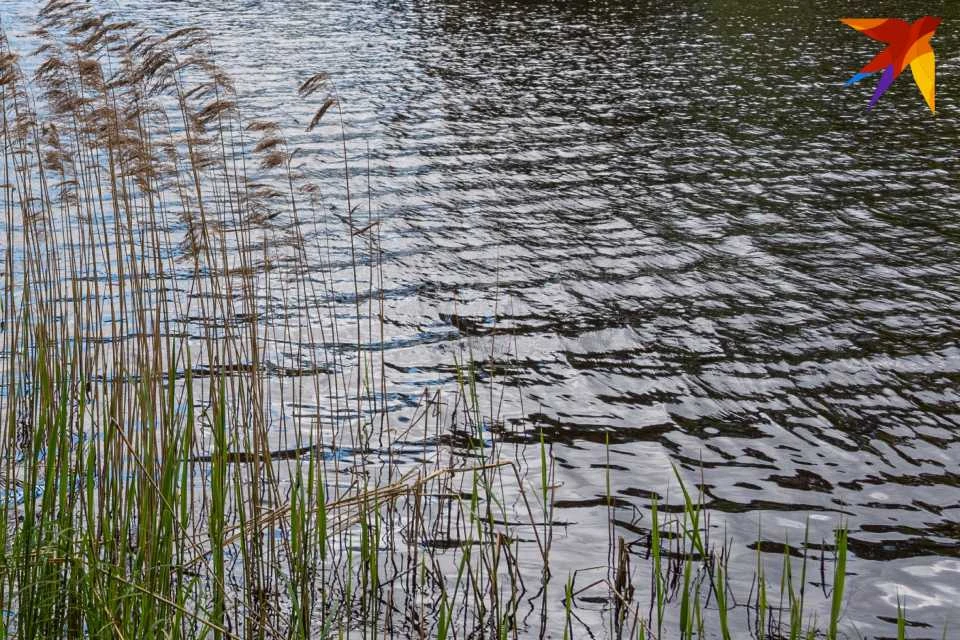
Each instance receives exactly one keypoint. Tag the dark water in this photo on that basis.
(674, 228)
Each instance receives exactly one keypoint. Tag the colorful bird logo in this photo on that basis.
(907, 44)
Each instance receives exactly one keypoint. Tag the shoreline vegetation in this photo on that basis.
(154, 243)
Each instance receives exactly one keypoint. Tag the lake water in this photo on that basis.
(666, 225)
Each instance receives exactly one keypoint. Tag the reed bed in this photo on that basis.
(156, 482)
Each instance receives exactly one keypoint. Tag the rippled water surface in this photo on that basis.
(663, 224)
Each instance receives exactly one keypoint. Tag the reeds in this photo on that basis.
(156, 483)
